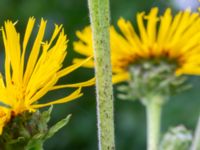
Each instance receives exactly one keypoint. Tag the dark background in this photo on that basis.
(130, 123)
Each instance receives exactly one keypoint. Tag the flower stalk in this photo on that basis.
(153, 110)
(100, 22)
(196, 141)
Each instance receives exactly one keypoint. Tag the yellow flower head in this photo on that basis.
(175, 38)
(26, 82)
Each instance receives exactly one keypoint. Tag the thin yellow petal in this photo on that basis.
(143, 33)
(81, 84)
(120, 77)
(151, 24)
(27, 35)
(71, 68)
(74, 95)
(88, 64)
(35, 51)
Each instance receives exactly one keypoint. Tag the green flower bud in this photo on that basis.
(177, 138)
(29, 131)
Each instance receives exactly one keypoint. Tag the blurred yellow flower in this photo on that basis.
(26, 83)
(176, 39)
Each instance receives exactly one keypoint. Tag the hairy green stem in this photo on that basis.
(100, 22)
(153, 110)
(196, 140)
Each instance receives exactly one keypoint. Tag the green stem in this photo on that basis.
(196, 140)
(100, 22)
(153, 109)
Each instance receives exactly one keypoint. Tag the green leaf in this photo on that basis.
(46, 115)
(34, 144)
(18, 140)
(44, 119)
(57, 126)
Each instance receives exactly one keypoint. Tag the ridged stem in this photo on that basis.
(100, 23)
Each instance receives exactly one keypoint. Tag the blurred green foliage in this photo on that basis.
(81, 132)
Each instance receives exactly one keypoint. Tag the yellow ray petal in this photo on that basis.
(71, 68)
(89, 64)
(85, 35)
(7, 60)
(72, 96)
(28, 32)
(141, 27)
(2, 85)
(36, 94)
(81, 84)
(130, 34)
(120, 77)
(13, 51)
(27, 35)
(151, 24)
(82, 48)
(35, 51)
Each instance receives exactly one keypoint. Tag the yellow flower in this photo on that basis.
(25, 83)
(173, 38)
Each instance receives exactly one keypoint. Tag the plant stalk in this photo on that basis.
(196, 140)
(153, 110)
(100, 23)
